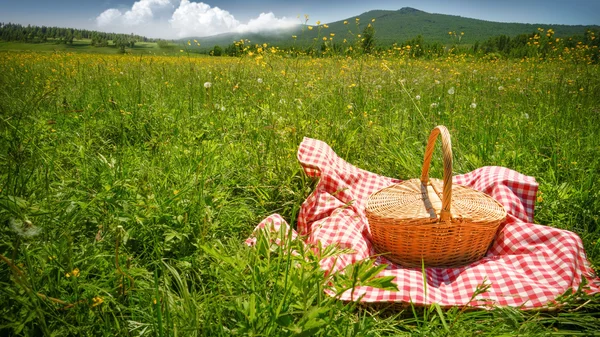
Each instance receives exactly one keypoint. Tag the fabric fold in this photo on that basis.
(527, 266)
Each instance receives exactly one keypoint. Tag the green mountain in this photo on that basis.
(397, 27)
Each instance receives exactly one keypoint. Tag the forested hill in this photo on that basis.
(38, 34)
(402, 25)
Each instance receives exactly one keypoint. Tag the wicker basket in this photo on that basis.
(415, 223)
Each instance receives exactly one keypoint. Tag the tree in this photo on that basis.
(163, 44)
(121, 42)
(368, 40)
(217, 51)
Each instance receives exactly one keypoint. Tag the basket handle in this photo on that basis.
(447, 154)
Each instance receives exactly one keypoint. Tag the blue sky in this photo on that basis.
(181, 18)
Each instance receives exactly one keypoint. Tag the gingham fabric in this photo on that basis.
(527, 266)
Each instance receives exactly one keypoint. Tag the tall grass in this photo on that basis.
(128, 183)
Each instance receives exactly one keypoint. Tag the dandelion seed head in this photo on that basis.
(473, 105)
(207, 85)
(418, 97)
(24, 228)
(451, 91)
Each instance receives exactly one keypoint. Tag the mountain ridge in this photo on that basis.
(398, 26)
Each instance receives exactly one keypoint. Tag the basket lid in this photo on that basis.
(411, 200)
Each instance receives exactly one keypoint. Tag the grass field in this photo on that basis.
(85, 46)
(129, 182)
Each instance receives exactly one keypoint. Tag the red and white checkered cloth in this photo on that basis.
(527, 266)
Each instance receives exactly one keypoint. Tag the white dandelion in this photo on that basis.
(24, 228)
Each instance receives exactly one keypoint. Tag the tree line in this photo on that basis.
(41, 34)
(541, 43)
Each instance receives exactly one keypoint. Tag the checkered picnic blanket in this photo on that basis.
(527, 266)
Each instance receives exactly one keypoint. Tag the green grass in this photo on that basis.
(84, 46)
(127, 187)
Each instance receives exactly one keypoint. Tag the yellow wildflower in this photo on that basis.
(97, 301)
(74, 273)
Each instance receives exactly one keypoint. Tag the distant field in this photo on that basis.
(128, 184)
(84, 46)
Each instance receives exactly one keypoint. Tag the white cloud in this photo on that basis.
(160, 18)
(199, 19)
(141, 12)
(265, 21)
(108, 17)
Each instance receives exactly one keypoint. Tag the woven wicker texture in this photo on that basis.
(432, 221)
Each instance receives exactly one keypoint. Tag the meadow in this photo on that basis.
(84, 46)
(128, 183)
